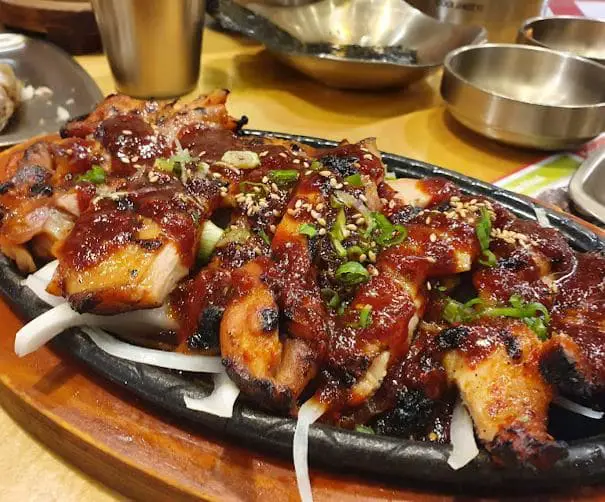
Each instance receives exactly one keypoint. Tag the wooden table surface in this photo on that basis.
(410, 122)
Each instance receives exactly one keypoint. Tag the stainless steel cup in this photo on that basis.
(153, 46)
(501, 18)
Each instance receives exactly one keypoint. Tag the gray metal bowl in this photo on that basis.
(353, 44)
(578, 35)
(525, 96)
(587, 186)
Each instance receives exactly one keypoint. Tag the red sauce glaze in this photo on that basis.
(213, 143)
(130, 140)
(191, 298)
(96, 236)
(75, 156)
(579, 309)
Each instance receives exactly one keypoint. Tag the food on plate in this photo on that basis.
(10, 94)
(330, 290)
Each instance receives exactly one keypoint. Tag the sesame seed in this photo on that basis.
(333, 182)
(384, 201)
(273, 228)
(274, 187)
(126, 160)
(391, 204)
(308, 172)
(306, 165)
(432, 237)
(428, 285)
(338, 186)
(274, 196)
(319, 206)
(265, 179)
(275, 213)
(322, 231)
(356, 165)
(428, 220)
(202, 153)
(283, 154)
(216, 175)
(315, 214)
(325, 174)
(350, 226)
(346, 233)
(298, 203)
(360, 221)
(256, 189)
(368, 156)
(263, 154)
(127, 132)
(257, 250)
(372, 256)
(321, 221)
(363, 257)
(291, 212)
(134, 159)
(296, 161)
(363, 197)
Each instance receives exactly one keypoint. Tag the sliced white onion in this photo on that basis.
(153, 357)
(220, 402)
(542, 217)
(47, 271)
(38, 286)
(308, 414)
(44, 328)
(565, 403)
(462, 438)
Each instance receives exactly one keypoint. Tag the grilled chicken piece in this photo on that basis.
(495, 365)
(423, 193)
(286, 362)
(435, 246)
(530, 258)
(130, 249)
(574, 360)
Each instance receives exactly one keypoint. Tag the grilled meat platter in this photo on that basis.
(309, 280)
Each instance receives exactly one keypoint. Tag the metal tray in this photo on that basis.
(375, 456)
(40, 63)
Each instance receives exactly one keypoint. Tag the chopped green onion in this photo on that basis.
(241, 159)
(263, 235)
(483, 231)
(308, 230)
(94, 175)
(339, 248)
(316, 165)
(338, 229)
(175, 163)
(335, 202)
(331, 297)
(534, 314)
(384, 232)
(365, 316)
(354, 252)
(237, 235)
(209, 237)
(283, 176)
(352, 273)
(354, 180)
(489, 260)
(365, 429)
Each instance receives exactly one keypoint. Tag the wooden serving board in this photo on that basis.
(69, 24)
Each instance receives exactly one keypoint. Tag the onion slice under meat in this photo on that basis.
(153, 357)
(220, 402)
(38, 282)
(565, 403)
(462, 438)
(308, 414)
(542, 217)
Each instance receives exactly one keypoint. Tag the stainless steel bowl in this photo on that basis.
(587, 186)
(525, 96)
(316, 39)
(578, 35)
(501, 18)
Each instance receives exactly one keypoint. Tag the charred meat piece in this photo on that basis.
(574, 361)
(495, 364)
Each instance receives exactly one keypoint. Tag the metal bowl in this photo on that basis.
(525, 96)
(352, 44)
(501, 18)
(587, 186)
(578, 35)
